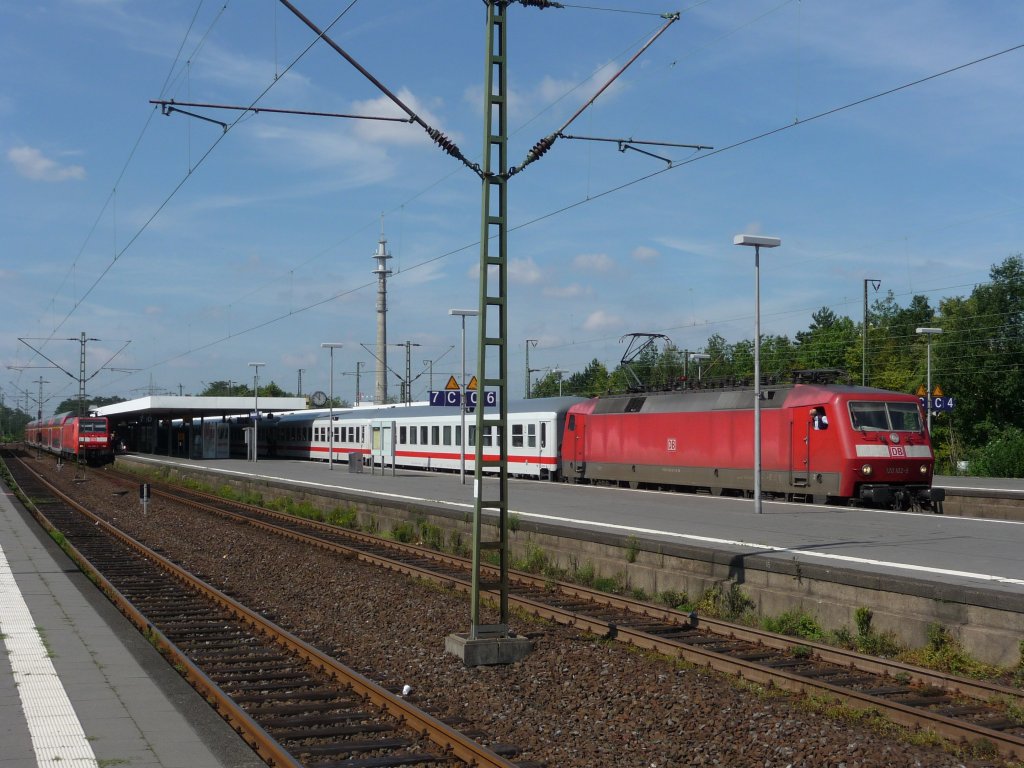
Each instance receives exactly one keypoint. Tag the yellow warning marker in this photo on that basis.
(452, 383)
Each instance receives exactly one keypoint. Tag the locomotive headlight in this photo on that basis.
(866, 470)
(924, 469)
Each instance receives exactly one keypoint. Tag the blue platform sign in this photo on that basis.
(445, 397)
(939, 403)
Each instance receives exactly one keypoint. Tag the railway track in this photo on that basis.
(293, 704)
(958, 709)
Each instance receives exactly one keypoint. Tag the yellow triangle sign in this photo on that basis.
(937, 391)
(472, 383)
(921, 391)
(452, 383)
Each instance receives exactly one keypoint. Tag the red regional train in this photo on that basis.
(84, 438)
(819, 442)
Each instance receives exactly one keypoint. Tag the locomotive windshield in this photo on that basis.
(92, 427)
(886, 417)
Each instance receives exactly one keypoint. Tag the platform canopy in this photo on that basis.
(179, 407)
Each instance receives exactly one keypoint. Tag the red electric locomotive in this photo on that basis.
(85, 438)
(819, 442)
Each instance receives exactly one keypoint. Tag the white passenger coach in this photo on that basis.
(425, 437)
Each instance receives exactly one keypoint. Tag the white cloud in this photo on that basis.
(644, 253)
(32, 164)
(571, 291)
(521, 271)
(382, 132)
(602, 321)
(597, 262)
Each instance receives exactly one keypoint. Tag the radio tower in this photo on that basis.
(382, 272)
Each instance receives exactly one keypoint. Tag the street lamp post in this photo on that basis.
(463, 314)
(928, 333)
(331, 345)
(256, 411)
(699, 357)
(560, 373)
(758, 242)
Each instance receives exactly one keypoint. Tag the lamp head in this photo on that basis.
(758, 240)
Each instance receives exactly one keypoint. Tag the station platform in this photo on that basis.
(79, 686)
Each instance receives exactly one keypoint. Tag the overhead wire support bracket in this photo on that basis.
(541, 147)
(625, 144)
(170, 105)
(167, 109)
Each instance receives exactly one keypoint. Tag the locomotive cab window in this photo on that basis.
(879, 416)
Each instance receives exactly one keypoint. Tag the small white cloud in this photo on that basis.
(597, 262)
(384, 132)
(153, 310)
(571, 291)
(644, 253)
(601, 321)
(32, 164)
(524, 271)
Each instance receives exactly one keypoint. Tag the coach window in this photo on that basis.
(487, 436)
(337, 434)
(447, 435)
(531, 435)
(423, 436)
(435, 435)
(472, 434)
(517, 435)
(412, 435)
(401, 435)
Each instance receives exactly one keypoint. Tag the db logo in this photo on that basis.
(897, 450)
(671, 444)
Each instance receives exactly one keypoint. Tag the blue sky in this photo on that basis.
(207, 250)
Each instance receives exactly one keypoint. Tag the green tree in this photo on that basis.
(980, 354)
(892, 337)
(829, 342)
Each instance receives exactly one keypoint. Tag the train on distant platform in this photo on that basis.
(82, 438)
(820, 442)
